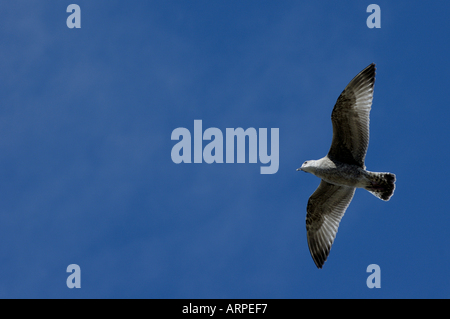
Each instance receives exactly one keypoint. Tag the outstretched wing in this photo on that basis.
(350, 118)
(325, 209)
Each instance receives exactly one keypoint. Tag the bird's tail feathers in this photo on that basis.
(381, 185)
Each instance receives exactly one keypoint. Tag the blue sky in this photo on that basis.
(86, 117)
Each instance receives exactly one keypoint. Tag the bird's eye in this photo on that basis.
(305, 162)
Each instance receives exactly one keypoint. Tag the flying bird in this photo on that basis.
(342, 170)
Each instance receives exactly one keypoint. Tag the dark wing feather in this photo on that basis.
(350, 118)
(325, 209)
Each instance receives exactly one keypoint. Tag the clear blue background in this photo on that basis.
(86, 177)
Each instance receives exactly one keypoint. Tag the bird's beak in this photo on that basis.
(299, 169)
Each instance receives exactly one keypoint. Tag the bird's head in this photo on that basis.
(308, 166)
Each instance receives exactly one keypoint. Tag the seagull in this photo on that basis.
(342, 170)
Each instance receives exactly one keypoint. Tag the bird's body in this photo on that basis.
(339, 173)
(342, 170)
